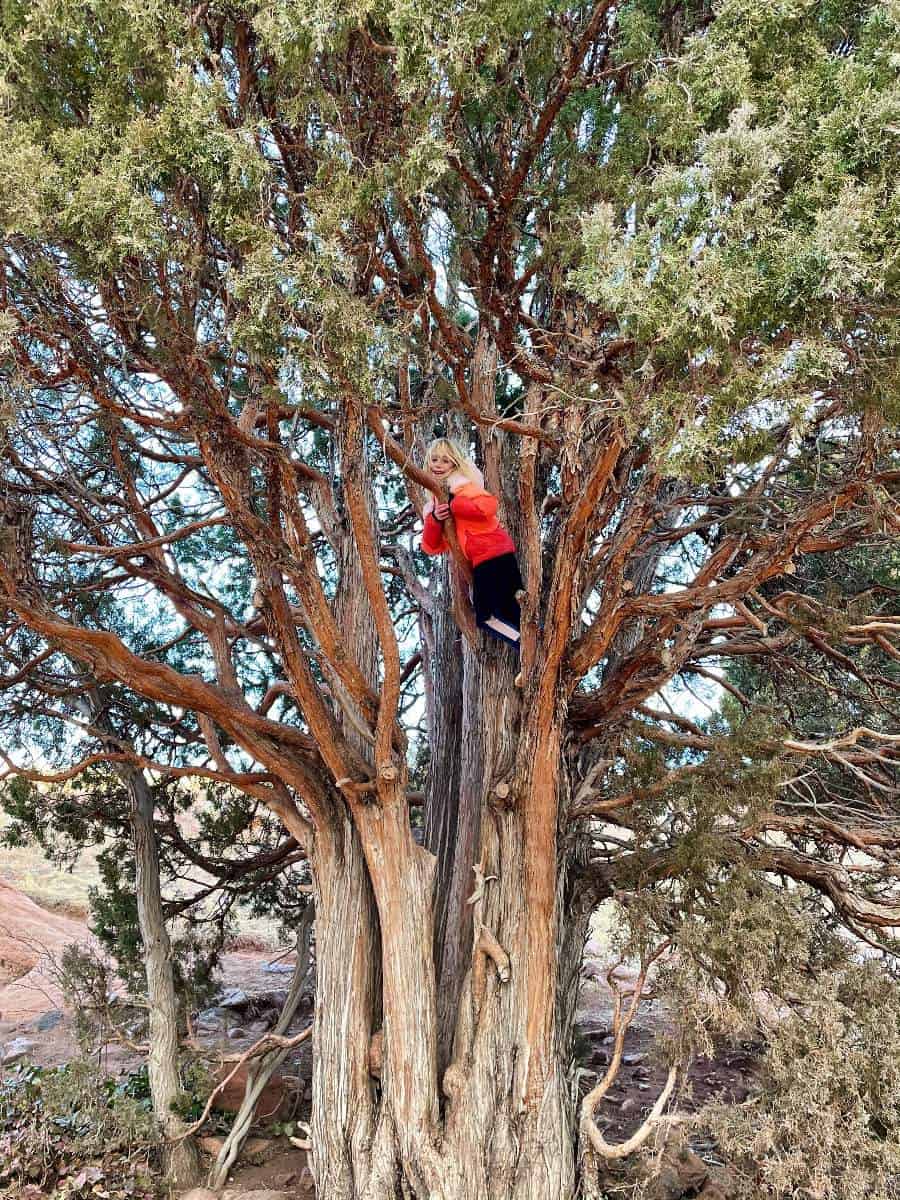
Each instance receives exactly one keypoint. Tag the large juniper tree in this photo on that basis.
(645, 259)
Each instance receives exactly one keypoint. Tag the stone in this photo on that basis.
(665, 1186)
(593, 1030)
(629, 1105)
(255, 1149)
(275, 1101)
(234, 998)
(691, 1168)
(279, 968)
(682, 1173)
(199, 1193)
(235, 1035)
(47, 1021)
(212, 1018)
(275, 999)
(16, 1050)
(599, 1058)
(263, 1194)
(632, 1060)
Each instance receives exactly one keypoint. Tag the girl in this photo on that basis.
(482, 539)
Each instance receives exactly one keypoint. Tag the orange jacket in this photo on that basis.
(481, 536)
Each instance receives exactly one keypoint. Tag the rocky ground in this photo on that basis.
(35, 1026)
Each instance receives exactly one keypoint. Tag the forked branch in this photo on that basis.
(621, 1021)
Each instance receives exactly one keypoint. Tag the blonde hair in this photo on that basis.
(456, 454)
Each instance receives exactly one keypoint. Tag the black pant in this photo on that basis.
(495, 583)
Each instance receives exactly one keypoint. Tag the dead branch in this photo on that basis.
(621, 1021)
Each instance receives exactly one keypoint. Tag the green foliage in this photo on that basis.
(825, 1120)
(69, 1131)
(751, 957)
(207, 205)
(86, 979)
(195, 948)
(225, 826)
(765, 221)
(754, 958)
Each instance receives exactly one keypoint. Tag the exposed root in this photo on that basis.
(590, 1134)
(302, 1143)
(623, 1149)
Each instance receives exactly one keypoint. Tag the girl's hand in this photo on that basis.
(441, 511)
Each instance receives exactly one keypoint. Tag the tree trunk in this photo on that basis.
(498, 1123)
(347, 979)
(442, 1014)
(182, 1163)
(452, 809)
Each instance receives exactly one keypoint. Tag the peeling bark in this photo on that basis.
(182, 1160)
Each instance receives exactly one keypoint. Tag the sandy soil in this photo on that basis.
(30, 939)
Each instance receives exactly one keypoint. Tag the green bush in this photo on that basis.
(825, 1121)
(66, 1130)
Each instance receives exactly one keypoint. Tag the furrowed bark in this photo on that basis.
(347, 1012)
(508, 1117)
(182, 1160)
(348, 973)
(443, 802)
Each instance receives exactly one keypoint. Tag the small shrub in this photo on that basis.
(86, 981)
(67, 1131)
(826, 1119)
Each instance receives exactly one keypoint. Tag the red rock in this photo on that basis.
(275, 1101)
(253, 1148)
(30, 937)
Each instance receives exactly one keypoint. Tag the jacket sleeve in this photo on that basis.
(433, 540)
(484, 505)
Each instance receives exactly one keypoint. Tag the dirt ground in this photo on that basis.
(31, 1007)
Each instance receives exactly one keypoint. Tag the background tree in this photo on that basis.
(646, 257)
(174, 862)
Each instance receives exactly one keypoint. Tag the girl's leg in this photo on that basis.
(496, 582)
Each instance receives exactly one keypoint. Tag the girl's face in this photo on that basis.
(440, 464)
